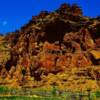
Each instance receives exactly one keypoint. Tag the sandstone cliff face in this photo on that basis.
(52, 42)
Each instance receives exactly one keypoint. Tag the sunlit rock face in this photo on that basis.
(52, 43)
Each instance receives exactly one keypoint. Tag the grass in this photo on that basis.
(7, 93)
(4, 89)
(29, 98)
(97, 93)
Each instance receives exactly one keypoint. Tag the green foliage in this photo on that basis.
(93, 96)
(98, 93)
(29, 98)
(7, 93)
(54, 91)
(5, 90)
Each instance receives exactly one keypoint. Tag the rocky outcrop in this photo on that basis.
(52, 42)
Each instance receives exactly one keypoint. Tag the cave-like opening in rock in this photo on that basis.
(56, 30)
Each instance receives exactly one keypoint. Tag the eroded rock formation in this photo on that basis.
(53, 42)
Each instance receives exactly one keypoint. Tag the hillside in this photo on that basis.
(60, 48)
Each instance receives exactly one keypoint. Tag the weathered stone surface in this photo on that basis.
(52, 42)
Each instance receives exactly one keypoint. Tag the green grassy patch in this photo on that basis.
(7, 93)
(29, 98)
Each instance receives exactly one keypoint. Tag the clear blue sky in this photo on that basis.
(15, 13)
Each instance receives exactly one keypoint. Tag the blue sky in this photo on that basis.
(16, 13)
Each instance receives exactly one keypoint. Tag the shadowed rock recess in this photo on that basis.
(60, 48)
